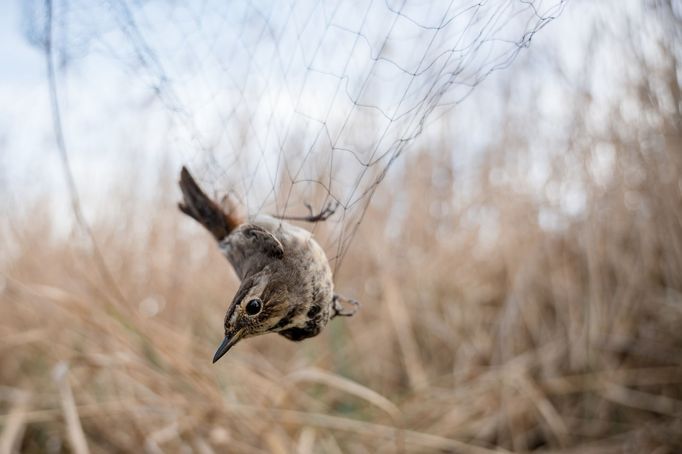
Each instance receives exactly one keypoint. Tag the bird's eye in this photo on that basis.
(254, 306)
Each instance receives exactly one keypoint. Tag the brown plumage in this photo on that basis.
(286, 283)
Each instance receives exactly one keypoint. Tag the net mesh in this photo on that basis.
(301, 105)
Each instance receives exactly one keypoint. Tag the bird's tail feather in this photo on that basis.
(216, 219)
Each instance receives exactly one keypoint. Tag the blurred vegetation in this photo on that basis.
(491, 319)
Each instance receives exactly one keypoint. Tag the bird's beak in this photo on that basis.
(226, 344)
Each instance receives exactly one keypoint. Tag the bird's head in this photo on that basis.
(258, 307)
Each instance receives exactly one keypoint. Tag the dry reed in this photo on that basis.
(565, 338)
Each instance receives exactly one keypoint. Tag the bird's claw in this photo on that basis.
(327, 212)
(324, 214)
(338, 308)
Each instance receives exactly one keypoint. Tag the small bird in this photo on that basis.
(286, 282)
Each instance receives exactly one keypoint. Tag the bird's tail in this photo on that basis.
(220, 221)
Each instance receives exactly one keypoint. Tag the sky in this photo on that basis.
(252, 91)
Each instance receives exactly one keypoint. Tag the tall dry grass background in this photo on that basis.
(532, 330)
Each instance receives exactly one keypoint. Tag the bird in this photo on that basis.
(286, 283)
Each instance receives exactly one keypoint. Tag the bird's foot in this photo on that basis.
(339, 310)
(327, 212)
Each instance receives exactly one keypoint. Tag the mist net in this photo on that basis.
(298, 104)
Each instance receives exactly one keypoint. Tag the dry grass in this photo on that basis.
(536, 340)
(563, 339)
